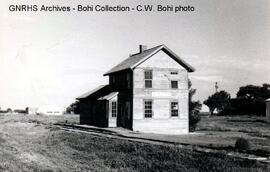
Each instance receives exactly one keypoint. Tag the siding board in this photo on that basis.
(162, 94)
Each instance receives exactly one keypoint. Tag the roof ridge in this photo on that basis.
(131, 60)
(146, 50)
(135, 59)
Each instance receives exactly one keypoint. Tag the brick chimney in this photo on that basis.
(142, 48)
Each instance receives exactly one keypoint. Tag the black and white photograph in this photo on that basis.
(135, 85)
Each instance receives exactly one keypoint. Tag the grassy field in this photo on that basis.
(227, 129)
(32, 143)
(221, 133)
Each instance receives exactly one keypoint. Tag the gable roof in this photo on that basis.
(136, 59)
(87, 94)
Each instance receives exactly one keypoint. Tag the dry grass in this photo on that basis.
(228, 129)
(31, 143)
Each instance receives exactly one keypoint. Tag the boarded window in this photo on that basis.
(114, 109)
(174, 109)
(148, 109)
(148, 78)
(174, 84)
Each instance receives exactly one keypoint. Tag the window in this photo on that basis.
(174, 84)
(148, 78)
(114, 109)
(174, 109)
(112, 79)
(174, 73)
(148, 111)
(128, 80)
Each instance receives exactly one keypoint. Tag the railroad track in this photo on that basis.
(263, 157)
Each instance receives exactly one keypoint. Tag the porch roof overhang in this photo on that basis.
(108, 96)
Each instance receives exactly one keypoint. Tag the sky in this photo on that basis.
(50, 58)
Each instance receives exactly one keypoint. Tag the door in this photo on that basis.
(128, 118)
(120, 119)
(124, 115)
(112, 113)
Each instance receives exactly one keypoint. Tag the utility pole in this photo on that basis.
(216, 87)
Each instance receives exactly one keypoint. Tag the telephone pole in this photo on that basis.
(216, 87)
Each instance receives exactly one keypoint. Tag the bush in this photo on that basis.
(194, 118)
(242, 144)
(194, 109)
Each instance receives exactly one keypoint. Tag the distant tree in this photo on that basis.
(250, 100)
(194, 109)
(73, 108)
(219, 100)
(254, 92)
(9, 110)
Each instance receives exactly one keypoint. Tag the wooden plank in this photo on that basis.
(161, 95)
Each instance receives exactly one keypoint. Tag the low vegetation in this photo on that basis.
(130, 156)
(227, 129)
(31, 143)
(194, 109)
(242, 144)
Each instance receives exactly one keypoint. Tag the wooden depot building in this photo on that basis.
(147, 92)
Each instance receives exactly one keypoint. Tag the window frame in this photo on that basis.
(172, 84)
(144, 109)
(171, 110)
(148, 79)
(112, 110)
